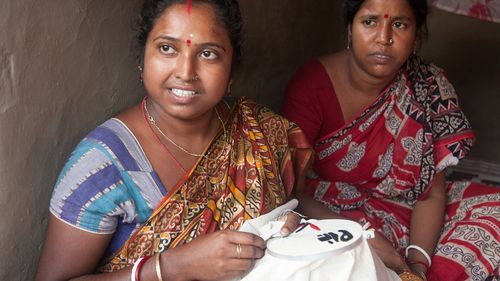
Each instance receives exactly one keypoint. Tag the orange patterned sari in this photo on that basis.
(245, 172)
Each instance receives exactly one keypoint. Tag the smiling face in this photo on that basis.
(383, 36)
(187, 62)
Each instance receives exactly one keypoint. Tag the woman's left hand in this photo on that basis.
(387, 253)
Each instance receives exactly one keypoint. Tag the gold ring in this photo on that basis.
(238, 250)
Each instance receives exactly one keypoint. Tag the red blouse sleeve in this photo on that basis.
(311, 103)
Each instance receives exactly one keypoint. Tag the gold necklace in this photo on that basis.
(152, 121)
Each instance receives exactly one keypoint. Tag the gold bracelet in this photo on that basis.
(158, 267)
(409, 276)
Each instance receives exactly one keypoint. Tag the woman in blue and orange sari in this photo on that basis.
(385, 125)
(157, 192)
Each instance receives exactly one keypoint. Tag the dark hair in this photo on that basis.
(227, 12)
(419, 7)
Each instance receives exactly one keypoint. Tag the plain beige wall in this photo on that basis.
(282, 35)
(64, 67)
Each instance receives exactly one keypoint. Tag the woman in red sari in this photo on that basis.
(385, 125)
(158, 192)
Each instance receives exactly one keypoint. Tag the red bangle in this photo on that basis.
(410, 262)
(139, 266)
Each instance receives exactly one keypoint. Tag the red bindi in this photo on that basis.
(189, 6)
(386, 16)
(188, 42)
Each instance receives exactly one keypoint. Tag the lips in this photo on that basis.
(381, 58)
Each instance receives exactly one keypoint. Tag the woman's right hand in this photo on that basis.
(214, 256)
(387, 253)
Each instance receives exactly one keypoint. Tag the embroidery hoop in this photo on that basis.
(311, 248)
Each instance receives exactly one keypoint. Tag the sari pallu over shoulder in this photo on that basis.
(393, 149)
(243, 174)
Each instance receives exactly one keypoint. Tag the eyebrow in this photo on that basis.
(374, 16)
(402, 18)
(173, 39)
(370, 16)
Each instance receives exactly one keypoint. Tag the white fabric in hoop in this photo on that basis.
(325, 250)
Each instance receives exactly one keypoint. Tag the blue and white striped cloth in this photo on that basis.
(107, 185)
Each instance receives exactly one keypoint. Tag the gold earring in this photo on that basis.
(139, 67)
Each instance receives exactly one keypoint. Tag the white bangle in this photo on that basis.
(422, 251)
(366, 226)
(134, 268)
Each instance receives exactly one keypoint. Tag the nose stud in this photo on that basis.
(391, 41)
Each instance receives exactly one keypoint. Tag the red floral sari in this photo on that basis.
(244, 174)
(378, 165)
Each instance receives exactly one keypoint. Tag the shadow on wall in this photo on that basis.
(467, 49)
(281, 35)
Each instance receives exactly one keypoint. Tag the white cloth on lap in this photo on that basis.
(357, 264)
(317, 253)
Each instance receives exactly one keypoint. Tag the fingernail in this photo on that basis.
(285, 232)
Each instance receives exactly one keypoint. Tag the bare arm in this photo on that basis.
(73, 254)
(427, 220)
(69, 252)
